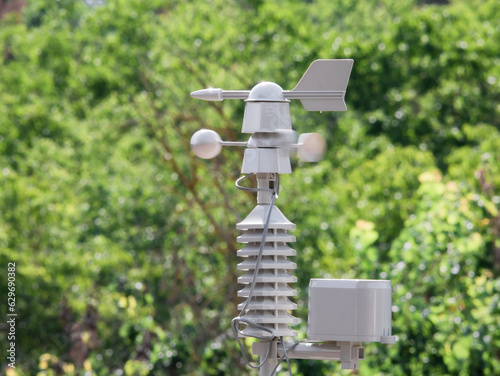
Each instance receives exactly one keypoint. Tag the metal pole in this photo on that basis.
(267, 367)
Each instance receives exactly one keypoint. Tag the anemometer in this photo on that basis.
(342, 313)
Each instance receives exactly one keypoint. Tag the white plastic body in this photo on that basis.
(271, 297)
(350, 310)
(343, 313)
(311, 147)
(206, 144)
(321, 88)
(267, 113)
(270, 304)
(348, 353)
(263, 160)
(266, 117)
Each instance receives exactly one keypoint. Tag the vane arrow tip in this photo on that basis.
(210, 94)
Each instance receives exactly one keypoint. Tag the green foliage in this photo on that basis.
(124, 242)
(448, 318)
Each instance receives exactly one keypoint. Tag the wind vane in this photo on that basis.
(342, 313)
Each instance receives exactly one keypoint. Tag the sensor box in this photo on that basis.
(350, 310)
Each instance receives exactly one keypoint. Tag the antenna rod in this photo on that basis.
(217, 94)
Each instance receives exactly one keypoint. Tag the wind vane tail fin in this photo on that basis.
(325, 82)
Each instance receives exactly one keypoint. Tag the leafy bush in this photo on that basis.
(125, 242)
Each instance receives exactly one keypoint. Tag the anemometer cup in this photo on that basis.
(206, 144)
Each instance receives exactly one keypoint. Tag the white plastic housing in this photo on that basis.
(312, 147)
(266, 117)
(271, 297)
(323, 86)
(262, 160)
(206, 143)
(350, 310)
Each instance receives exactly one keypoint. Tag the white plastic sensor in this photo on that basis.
(312, 147)
(206, 143)
(342, 313)
(354, 310)
(321, 88)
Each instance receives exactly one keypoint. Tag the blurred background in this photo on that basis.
(124, 241)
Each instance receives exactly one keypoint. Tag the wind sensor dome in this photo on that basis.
(266, 92)
(266, 111)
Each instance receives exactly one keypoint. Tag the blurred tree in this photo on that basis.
(125, 242)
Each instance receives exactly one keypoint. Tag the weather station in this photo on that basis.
(342, 313)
